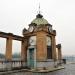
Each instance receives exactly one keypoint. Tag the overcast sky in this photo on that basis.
(17, 14)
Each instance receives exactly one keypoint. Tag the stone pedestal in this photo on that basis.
(47, 64)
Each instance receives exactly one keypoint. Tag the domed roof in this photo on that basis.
(40, 20)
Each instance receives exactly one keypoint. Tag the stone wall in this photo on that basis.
(47, 63)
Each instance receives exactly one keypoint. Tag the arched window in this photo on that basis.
(49, 48)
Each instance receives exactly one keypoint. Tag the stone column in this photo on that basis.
(59, 51)
(54, 48)
(24, 51)
(8, 54)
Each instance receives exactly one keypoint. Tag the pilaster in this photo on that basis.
(24, 50)
(41, 52)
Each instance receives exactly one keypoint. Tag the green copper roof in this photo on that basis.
(39, 20)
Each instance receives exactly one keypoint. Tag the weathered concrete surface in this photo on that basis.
(69, 70)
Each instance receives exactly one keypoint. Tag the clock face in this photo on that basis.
(32, 40)
(50, 29)
(48, 41)
(30, 29)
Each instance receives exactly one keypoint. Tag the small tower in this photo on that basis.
(41, 43)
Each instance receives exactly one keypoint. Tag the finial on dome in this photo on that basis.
(39, 8)
(39, 16)
(39, 13)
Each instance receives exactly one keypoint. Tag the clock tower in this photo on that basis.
(40, 50)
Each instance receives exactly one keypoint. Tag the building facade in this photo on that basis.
(38, 44)
(40, 47)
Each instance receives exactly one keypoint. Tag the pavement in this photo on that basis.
(48, 69)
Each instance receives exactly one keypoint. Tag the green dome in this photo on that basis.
(40, 20)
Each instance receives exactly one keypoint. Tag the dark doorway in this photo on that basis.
(31, 57)
(49, 52)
